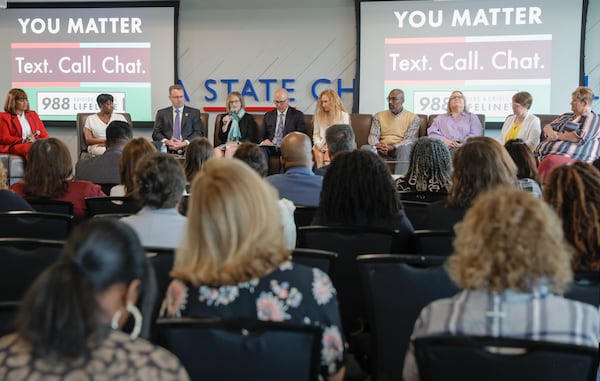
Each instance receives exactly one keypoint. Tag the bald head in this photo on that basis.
(296, 150)
(281, 99)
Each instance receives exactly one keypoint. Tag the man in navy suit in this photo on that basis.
(280, 122)
(175, 126)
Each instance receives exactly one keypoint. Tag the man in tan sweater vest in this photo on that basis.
(394, 131)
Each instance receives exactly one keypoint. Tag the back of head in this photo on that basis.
(296, 150)
(574, 192)
(430, 165)
(234, 231)
(253, 155)
(48, 167)
(523, 158)
(159, 181)
(60, 315)
(118, 133)
(510, 240)
(479, 165)
(340, 138)
(347, 197)
(134, 151)
(196, 153)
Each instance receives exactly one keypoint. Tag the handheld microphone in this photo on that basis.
(37, 133)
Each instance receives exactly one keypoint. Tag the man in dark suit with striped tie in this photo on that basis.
(280, 122)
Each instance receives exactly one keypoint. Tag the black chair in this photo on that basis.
(51, 206)
(348, 243)
(162, 262)
(321, 259)
(397, 287)
(8, 314)
(22, 261)
(585, 287)
(434, 242)
(303, 215)
(111, 205)
(20, 224)
(243, 350)
(470, 358)
(416, 211)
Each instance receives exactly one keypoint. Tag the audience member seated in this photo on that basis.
(393, 131)
(134, 151)
(366, 200)
(159, 184)
(574, 136)
(198, 151)
(574, 193)
(479, 165)
(47, 176)
(236, 126)
(457, 125)
(329, 111)
(64, 325)
(104, 169)
(9, 200)
(521, 124)
(512, 262)
(233, 262)
(339, 138)
(254, 156)
(95, 124)
(429, 170)
(527, 172)
(19, 125)
(298, 183)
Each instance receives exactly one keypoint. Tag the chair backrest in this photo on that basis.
(111, 205)
(361, 124)
(243, 350)
(585, 288)
(397, 287)
(79, 124)
(416, 211)
(25, 224)
(8, 314)
(51, 206)
(321, 259)
(303, 215)
(348, 243)
(473, 358)
(204, 119)
(22, 261)
(423, 124)
(434, 242)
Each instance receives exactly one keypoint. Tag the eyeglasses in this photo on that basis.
(456, 97)
(21, 99)
(235, 101)
(280, 102)
(394, 99)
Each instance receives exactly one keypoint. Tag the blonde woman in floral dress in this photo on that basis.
(233, 262)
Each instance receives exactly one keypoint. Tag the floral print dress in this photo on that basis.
(292, 293)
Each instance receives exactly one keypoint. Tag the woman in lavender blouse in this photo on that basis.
(457, 125)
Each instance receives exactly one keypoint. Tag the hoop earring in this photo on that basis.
(137, 320)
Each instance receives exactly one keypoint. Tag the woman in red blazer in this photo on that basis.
(19, 126)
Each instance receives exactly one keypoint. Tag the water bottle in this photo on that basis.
(163, 148)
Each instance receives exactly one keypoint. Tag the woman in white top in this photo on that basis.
(522, 124)
(95, 124)
(330, 110)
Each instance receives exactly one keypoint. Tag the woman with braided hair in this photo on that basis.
(429, 170)
(574, 192)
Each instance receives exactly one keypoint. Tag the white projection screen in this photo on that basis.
(64, 54)
(487, 49)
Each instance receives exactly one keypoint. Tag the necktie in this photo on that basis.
(177, 125)
(279, 130)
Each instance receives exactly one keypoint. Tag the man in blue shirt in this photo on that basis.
(298, 183)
